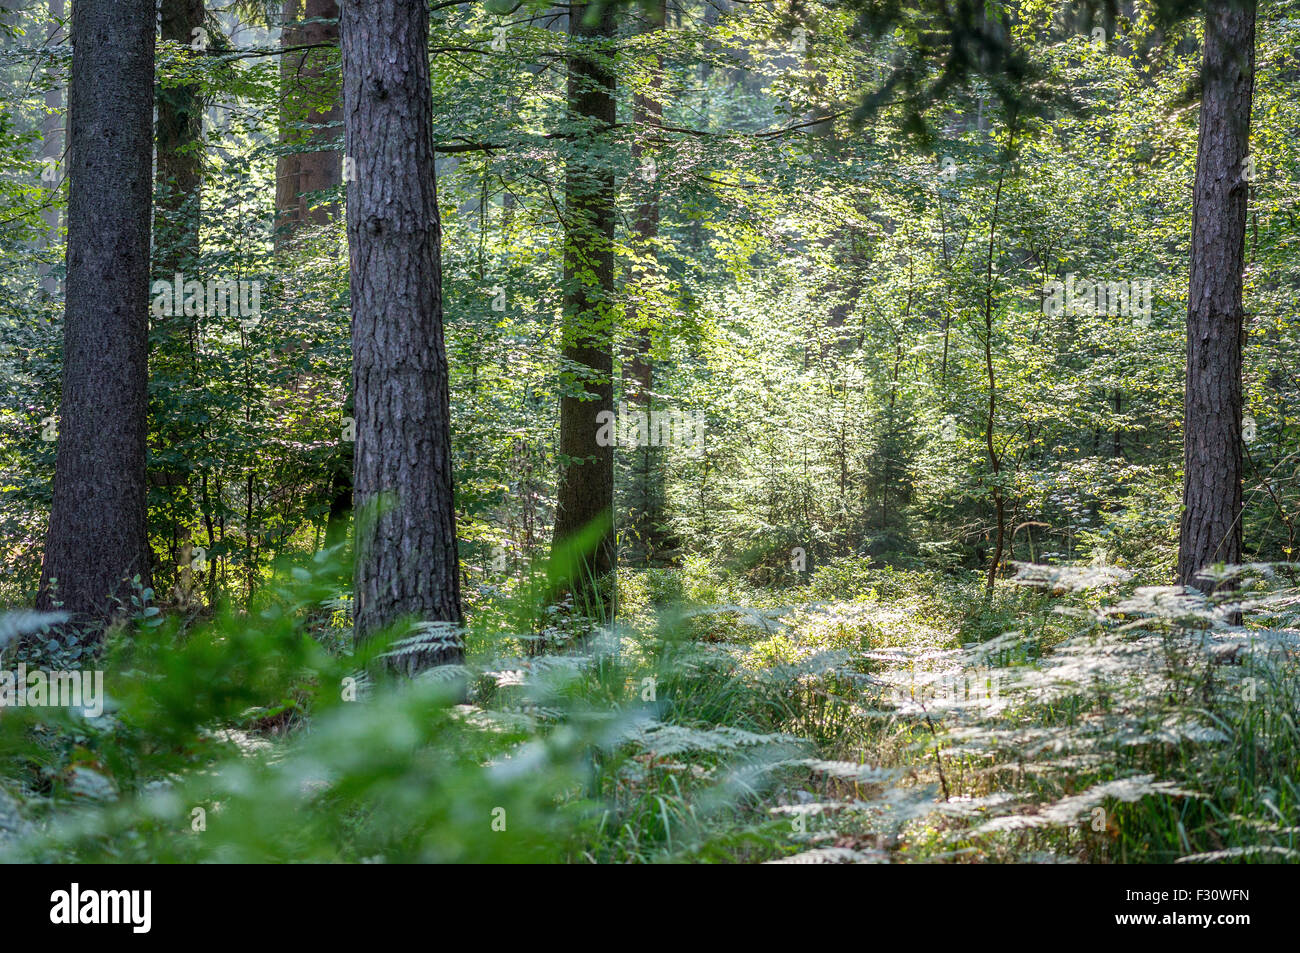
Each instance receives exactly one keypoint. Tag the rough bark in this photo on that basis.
(304, 75)
(407, 563)
(1212, 449)
(97, 539)
(585, 496)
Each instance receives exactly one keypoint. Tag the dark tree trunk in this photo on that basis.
(97, 539)
(407, 565)
(1211, 521)
(585, 496)
(302, 74)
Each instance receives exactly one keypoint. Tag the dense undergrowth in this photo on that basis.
(869, 715)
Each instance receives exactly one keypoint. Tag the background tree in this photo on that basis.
(180, 152)
(310, 112)
(966, 40)
(585, 495)
(308, 166)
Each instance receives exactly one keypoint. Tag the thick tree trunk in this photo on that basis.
(97, 539)
(407, 564)
(585, 496)
(303, 75)
(1212, 497)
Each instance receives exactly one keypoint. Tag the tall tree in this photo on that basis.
(407, 563)
(964, 40)
(585, 495)
(96, 540)
(1212, 449)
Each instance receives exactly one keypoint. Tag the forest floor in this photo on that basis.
(894, 677)
(868, 715)
(1031, 727)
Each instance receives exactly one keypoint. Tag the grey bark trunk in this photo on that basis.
(407, 563)
(97, 539)
(1212, 456)
(179, 167)
(298, 174)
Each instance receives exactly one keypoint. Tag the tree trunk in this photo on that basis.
(407, 564)
(302, 75)
(1212, 469)
(585, 495)
(97, 538)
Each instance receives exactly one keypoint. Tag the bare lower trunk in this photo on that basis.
(1212, 457)
(407, 564)
(995, 458)
(97, 539)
